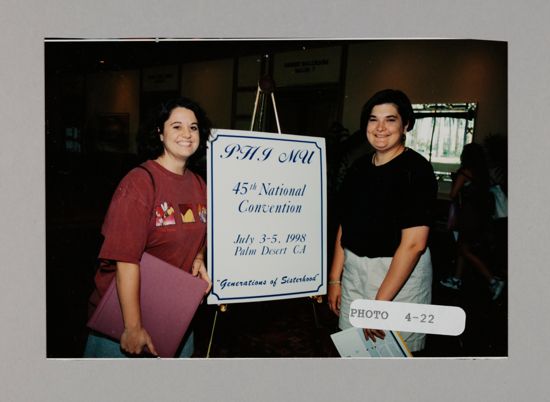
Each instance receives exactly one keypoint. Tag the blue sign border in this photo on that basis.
(211, 224)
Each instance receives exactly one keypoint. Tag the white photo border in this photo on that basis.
(27, 374)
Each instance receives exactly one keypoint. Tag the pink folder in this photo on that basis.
(169, 299)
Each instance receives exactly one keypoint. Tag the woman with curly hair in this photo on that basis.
(159, 207)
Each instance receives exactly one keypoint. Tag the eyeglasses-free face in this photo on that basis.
(180, 134)
(385, 128)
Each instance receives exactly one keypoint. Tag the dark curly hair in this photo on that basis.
(395, 96)
(151, 147)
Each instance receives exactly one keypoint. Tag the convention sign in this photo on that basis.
(266, 216)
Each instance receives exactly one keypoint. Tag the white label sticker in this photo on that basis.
(408, 317)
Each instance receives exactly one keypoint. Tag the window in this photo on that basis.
(440, 132)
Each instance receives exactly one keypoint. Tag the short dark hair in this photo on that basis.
(395, 96)
(473, 156)
(152, 147)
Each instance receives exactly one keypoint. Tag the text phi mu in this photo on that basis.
(262, 154)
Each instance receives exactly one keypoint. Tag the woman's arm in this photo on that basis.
(199, 268)
(458, 183)
(337, 267)
(412, 245)
(135, 337)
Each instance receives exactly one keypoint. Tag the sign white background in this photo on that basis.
(266, 216)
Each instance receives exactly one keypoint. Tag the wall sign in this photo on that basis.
(164, 78)
(266, 216)
(307, 67)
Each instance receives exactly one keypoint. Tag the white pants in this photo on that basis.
(363, 276)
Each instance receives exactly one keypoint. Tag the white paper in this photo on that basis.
(351, 342)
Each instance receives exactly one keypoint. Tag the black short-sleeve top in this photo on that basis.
(377, 202)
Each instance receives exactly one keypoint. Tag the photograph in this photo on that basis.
(274, 201)
(289, 178)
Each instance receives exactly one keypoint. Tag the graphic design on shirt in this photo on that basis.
(186, 211)
(202, 212)
(164, 214)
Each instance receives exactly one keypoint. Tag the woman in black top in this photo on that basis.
(386, 208)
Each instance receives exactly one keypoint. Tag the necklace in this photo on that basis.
(393, 157)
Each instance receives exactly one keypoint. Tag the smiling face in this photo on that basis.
(180, 135)
(385, 128)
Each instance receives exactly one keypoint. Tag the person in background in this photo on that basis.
(496, 146)
(471, 191)
(157, 208)
(386, 206)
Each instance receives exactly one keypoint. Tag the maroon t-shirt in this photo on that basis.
(166, 219)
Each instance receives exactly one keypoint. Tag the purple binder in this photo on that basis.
(169, 299)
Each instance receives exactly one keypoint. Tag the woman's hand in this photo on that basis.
(133, 340)
(135, 337)
(334, 297)
(199, 269)
(372, 334)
